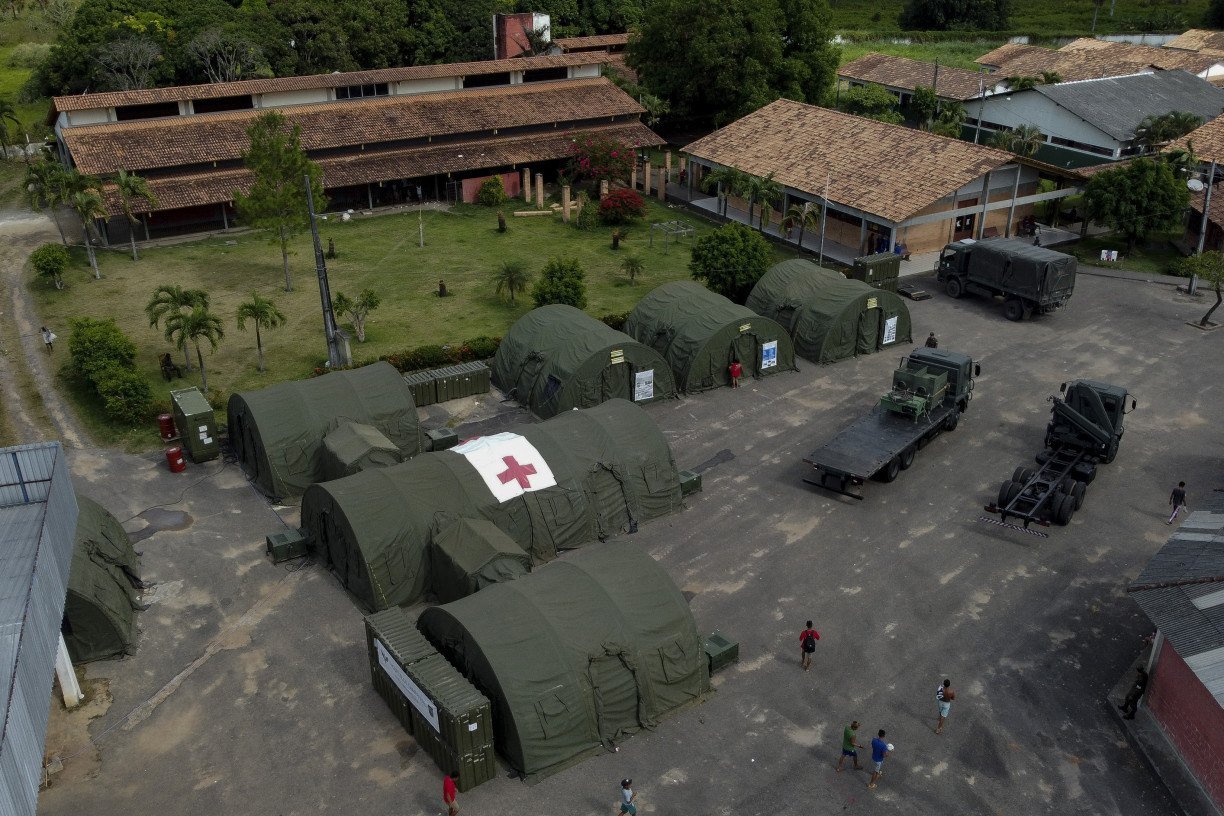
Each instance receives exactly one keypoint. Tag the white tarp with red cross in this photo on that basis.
(508, 463)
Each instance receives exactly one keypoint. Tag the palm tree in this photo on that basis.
(512, 277)
(8, 113)
(633, 267)
(1051, 78)
(46, 189)
(88, 205)
(1022, 83)
(168, 300)
(194, 326)
(1023, 140)
(1156, 131)
(765, 191)
(130, 187)
(801, 216)
(264, 314)
(726, 181)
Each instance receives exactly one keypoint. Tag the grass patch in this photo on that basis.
(12, 174)
(462, 247)
(1157, 256)
(12, 34)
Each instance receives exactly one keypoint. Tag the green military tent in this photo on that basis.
(576, 656)
(277, 432)
(700, 333)
(555, 485)
(103, 587)
(354, 447)
(470, 554)
(829, 316)
(556, 357)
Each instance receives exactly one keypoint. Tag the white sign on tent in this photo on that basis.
(643, 385)
(769, 354)
(890, 330)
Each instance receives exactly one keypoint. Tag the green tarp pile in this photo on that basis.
(556, 485)
(575, 656)
(700, 333)
(354, 447)
(470, 554)
(103, 587)
(556, 357)
(277, 432)
(829, 316)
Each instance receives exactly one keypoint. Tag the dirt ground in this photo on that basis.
(249, 690)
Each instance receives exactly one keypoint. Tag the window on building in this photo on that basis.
(126, 113)
(486, 80)
(362, 91)
(1087, 148)
(222, 103)
(545, 74)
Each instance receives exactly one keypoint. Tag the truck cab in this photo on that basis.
(959, 368)
(1089, 416)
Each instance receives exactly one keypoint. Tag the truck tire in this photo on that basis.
(1064, 509)
(1085, 472)
(1007, 491)
(1044, 455)
(907, 456)
(1022, 475)
(1013, 309)
(952, 420)
(889, 472)
(1078, 489)
(1111, 452)
(955, 288)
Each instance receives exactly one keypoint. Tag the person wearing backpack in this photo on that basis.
(807, 642)
(944, 695)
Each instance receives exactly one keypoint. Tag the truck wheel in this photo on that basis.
(1022, 475)
(1013, 310)
(1006, 493)
(951, 422)
(1078, 489)
(907, 456)
(1065, 509)
(1044, 456)
(889, 472)
(1110, 452)
(954, 287)
(1085, 472)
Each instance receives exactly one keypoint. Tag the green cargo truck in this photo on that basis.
(1028, 278)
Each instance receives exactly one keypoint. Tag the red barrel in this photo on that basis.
(165, 424)
(174, 458)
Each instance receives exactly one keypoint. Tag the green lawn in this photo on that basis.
(1042, 17)
(462, 247)
(12, 78)
(1157, 256)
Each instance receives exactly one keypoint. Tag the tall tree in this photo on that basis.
(725, 182)
(169, 300)
(8, 113)
(1156, 131)
(358, 309)
(924, 105)
(1137, 198)
(730, 260)
(1210, 267)
(872, 101)
(1024, 140)
(946, 15)
(192, 327)
(802, 216)
(277, 200)
(765, 191)
(715, 62)
(264, 314)
(87, 203)
(130, 188)
(511, 277)
(46, 188)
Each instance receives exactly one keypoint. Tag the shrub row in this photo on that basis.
(478, 348)
(105, 357)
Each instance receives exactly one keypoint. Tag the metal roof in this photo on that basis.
(1117, 105)
(38, 512)
(1182, 591)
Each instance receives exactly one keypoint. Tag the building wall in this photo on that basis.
(1031, 108)
(1192, 719)
(416, 86)
(89, 117)
(279, 98)
(585, 71)
(509, 33)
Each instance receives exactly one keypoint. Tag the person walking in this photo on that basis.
(737, 371)
(1131, 703)
(628, 798)
(48, 338)
(944, 695)
(1177, 499)
(850, 746)
(879, 752)
(932, 341)
(807, 643)
(449, 791)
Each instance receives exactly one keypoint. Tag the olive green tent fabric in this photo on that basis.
(610, 467)
(103, 587)
(576, 656)
(277, 432)
(556, 357)
(470, 554)
(700, 332)
(829, 316)
(354, 447)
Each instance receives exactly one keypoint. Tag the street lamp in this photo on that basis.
(1198, 186)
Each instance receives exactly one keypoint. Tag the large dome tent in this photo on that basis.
(277, 432)
(829, 316)
(556, 357)
(575, 656)
(103, 587)
(700, 333)
(550, 486)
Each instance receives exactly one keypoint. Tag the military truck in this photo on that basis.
(1085, 430)
(1029, 278)
(931, 388)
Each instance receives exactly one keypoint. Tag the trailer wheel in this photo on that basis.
(1022, 475)
(1013, 310)
(1066, 509)
(954, 287)
(1077, 492)
(1007, 491)
(907, 456)
(951, 422)
(1044, 456)
(889, 472)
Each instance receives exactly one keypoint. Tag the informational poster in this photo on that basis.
(769, 355)
(643, 385)
(420, 701)
(1109, 255)
(890, 330)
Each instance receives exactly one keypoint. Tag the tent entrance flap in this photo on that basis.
(616, 382)
(868, 332)
(615, 689)
(745, 349)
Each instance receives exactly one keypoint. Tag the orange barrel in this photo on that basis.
(165, 424)
(174, 458)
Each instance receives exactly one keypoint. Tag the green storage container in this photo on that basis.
(465, 719)
(196, 423)
(441, 438)
(880, 270)
(287, 544)
(395, 630)
(423, 386)
(463, 380)
(475, 768)
(690, 482)
(720, 651)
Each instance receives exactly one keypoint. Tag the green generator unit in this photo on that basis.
(197, 425)
(720, 651)
(440, 439)
(464, 380)
(424, 387)
(690, 482)
(880, 270)
(286, 545)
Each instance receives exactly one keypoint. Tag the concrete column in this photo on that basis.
(683, 163)
(862, 234)
(603, 189)
(146, 223)
(539, 191)
(892, 238)
(526, 191)
(565, 204)
(370, 195)
(633, 177)
(662, 184)
(666, 168)
(224, 221)
(69, 686)
(646, 180)
(981, 224)
(1011, 207)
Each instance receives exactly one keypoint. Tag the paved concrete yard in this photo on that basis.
(250, 694)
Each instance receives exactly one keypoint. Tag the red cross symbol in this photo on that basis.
(516, 472)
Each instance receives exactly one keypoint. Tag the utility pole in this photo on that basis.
(824, 212)
(329, 316)
(977, 131)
